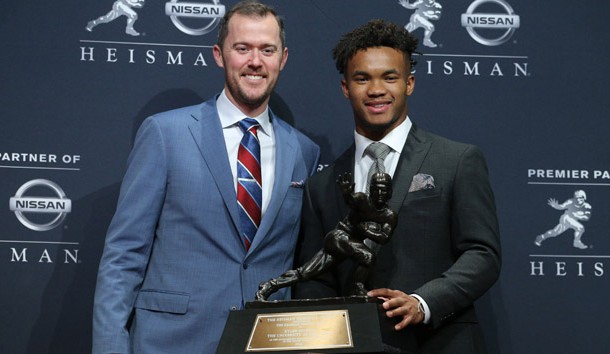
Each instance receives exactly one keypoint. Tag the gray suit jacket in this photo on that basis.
(174, 263)
(445, 248)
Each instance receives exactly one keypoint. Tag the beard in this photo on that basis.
(242, 97)
(248, 100)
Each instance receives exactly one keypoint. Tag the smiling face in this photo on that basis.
(377, 82)
(252, 56)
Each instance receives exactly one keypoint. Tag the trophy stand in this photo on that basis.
(351, 324)
(355, 324)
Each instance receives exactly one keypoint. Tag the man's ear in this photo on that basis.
(344, 88)
(218, 56)
(410, 84)
(284, 59)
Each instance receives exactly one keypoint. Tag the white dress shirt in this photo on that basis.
(230, 116)
(395, 139)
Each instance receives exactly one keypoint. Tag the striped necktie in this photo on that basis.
(249, 181)
(378, 151)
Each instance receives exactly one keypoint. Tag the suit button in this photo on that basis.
(245, 265)
(233, 308)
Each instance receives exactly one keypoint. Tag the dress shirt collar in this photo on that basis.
(230, 115)
(395, 139)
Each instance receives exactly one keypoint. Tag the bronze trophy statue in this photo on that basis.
(354, 324)
(369, 218)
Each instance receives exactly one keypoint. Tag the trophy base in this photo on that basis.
(355, 324)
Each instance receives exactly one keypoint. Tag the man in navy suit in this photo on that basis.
(444, 252)
(175, 261)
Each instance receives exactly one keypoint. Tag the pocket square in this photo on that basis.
(297, 184)
(421, 181)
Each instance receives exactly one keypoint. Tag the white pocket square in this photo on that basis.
(421, 181)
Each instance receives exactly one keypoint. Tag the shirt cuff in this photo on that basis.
(424, 307)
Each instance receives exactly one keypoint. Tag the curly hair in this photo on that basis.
(250, 8)
(376, 33)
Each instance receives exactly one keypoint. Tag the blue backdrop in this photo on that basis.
(524, 80)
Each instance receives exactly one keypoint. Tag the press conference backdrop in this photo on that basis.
(524, 80)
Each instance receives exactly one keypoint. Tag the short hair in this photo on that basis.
(580, 193)
(375, 33)
(249, 8)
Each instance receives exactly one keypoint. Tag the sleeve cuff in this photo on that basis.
(424, 307)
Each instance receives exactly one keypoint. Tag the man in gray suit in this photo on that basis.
(445, 249)
(178, 256)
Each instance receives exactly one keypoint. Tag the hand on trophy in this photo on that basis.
(396, 303)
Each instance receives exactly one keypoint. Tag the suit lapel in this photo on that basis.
(207, 132)
(285, 156)
(413, 154)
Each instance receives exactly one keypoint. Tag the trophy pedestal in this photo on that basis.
(354, 324)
